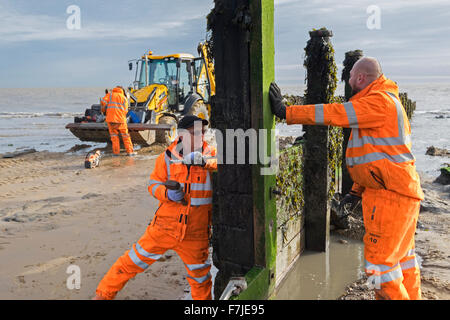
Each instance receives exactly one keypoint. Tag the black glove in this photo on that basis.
(276, 101)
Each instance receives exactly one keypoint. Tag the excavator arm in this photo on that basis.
(204, 52)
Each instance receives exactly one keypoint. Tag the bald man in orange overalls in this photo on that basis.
(382, 166)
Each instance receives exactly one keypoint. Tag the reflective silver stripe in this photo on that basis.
(201, 279)
(200, 201)
(411, 252)
(167, 159)
(110, 103)
(193, 267)
(392, 141)
(351, 115)
(400, 110)
(133, 256)
(154, 188)
(395, 273)
(390, 276)
(207, 186)
(401, 139)
(378, 267)
(150, 182)
(374, 156)
(117, 104)
(114, 135)
(318, 111)
(120, 108)
(409, 264)
(146, 254)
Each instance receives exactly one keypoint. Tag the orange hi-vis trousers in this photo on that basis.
(149, 248)
(390, 220)
(116, 130)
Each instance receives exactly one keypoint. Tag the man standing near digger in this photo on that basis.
(115, 104)
(182, 221)
(381, 164)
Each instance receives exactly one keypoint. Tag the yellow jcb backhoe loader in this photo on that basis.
(165, 89)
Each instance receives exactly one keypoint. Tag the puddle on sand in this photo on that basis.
(323, 275)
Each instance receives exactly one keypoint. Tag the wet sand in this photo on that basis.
(54, 213)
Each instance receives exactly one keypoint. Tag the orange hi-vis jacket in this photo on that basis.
(116, 106)
(379, 149)
(192, 220)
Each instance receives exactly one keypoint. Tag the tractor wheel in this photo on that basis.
(169, 136)
(200, 110)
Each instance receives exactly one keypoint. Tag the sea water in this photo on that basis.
(36, 118)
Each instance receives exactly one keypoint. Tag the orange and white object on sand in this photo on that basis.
(92, 159)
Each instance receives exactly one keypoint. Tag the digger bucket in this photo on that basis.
(140, 133)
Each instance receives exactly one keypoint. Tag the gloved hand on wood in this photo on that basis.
(276, 101)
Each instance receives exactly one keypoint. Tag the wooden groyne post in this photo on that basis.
(244, 219)
(321, 84)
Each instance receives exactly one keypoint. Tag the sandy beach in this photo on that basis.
(54, 213)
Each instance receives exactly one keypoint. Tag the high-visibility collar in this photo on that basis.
(380, 84)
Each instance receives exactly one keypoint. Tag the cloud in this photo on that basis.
(410, 44)
(346, 4)
(22, 27)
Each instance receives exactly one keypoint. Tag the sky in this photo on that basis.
(410, 38)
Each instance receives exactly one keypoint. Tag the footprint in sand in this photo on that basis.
(43, 267)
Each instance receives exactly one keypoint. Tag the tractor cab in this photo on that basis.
(173, 78)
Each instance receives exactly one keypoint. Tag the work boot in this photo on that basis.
(132, 154)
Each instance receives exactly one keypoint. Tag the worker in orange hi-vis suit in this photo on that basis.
(381, 164)
(182, 221)
(115, 105)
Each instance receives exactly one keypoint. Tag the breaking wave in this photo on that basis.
(435, 111)
(8, 115)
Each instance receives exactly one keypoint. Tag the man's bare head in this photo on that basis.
(364, 72)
